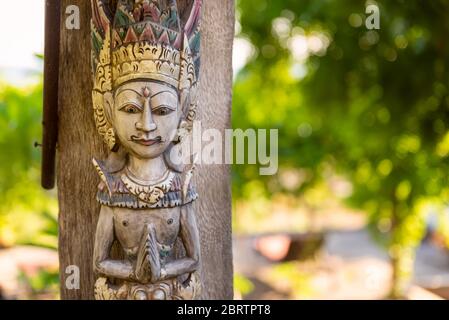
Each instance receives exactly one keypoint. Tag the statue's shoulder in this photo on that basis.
(117, 189)
(110, 180)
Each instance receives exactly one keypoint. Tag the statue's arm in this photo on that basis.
(104, 238)
(190, 238)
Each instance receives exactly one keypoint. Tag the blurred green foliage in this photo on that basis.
(44, 285)
(242, 285)
(371, 105)
(300, 280)
(27, 212)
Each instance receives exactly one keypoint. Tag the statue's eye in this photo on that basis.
(130, 109)
(162, 111)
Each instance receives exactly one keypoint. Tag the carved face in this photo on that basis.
(145, 117)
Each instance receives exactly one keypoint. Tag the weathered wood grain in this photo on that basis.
(78, 142)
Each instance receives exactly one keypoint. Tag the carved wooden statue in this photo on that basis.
(145, 67)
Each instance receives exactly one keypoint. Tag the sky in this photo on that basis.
(22, 37)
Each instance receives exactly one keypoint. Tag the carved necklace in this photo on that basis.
(148, 191)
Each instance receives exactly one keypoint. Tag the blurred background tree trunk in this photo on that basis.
(78, 142)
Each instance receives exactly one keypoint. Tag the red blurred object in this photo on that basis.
(288, 247)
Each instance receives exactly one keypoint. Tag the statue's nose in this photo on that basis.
(146, 122)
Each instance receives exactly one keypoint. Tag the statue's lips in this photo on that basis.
(146, 142)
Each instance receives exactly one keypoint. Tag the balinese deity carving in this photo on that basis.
(145, 68)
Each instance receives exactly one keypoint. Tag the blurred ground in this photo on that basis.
(348, 266)
(26, 270)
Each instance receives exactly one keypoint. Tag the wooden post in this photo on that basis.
(78, 143)
(51, 71)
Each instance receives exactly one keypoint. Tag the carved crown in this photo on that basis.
(143, 39)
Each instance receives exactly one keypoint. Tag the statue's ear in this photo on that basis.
(184, 100)
(108, 100)
(189, 102)
(109, 136)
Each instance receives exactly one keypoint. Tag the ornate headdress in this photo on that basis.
(143, 39)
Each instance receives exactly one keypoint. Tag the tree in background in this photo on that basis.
(371, 104)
